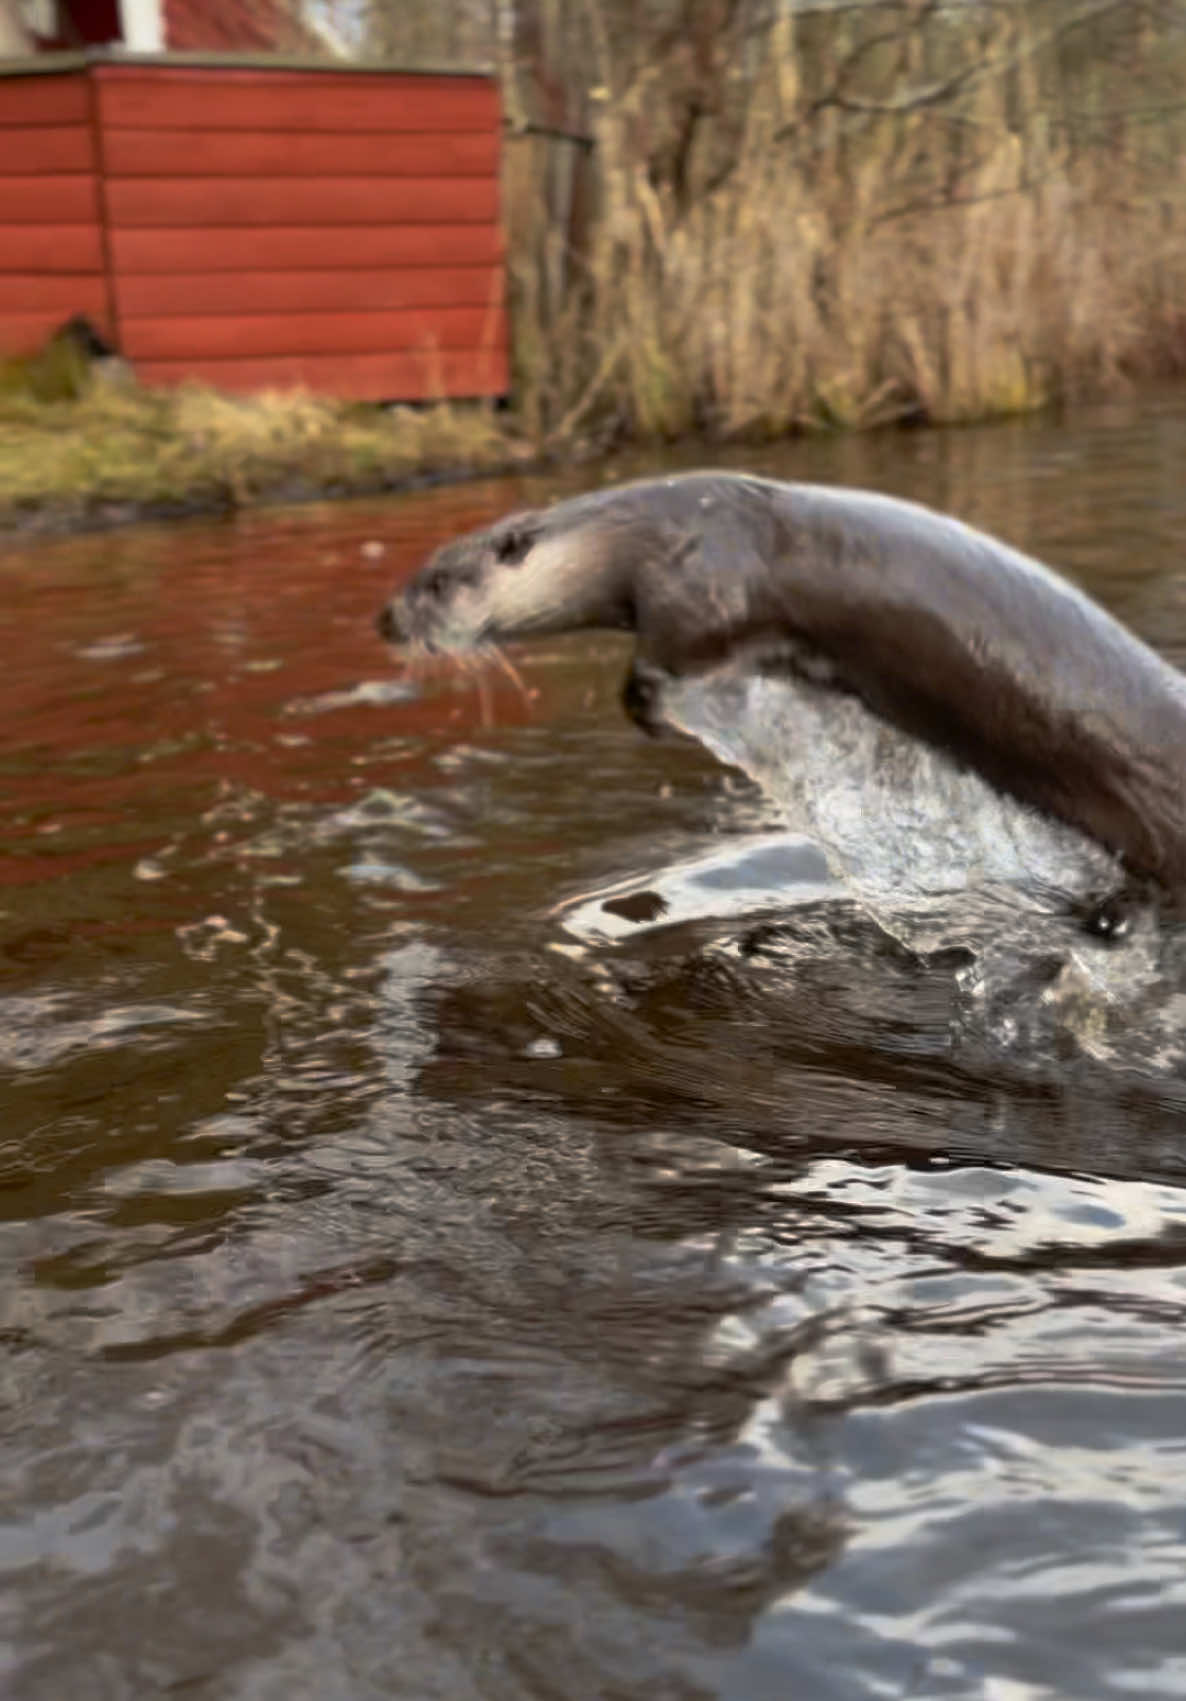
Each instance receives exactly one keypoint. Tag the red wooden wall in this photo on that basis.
(273, 226)
(51, 243)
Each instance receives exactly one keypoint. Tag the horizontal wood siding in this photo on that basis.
(190, 201)
(51, 248)
(37, 148)
(298, 153)
(213, 248)
(57, 296)
(228, 336)
(43, 99)
(348, 289)
(39, 248)
(30, 199)
(169, 98)
(336, 229)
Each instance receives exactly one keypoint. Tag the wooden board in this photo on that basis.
(303, 248)
(47, 147)
(50, 248)
(42, 99)
(172, 99)
(56, 295)
(157, 295)
(297, 153)
(246, 336)
(265, 227)
(365, 377)
(144, 201)
(48, 200)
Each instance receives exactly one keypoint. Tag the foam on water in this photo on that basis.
(931, 856)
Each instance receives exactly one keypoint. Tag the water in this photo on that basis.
(408, 1294)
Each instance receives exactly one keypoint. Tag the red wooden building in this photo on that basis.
(149, 26)
(257, 222)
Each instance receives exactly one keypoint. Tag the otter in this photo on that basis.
(945, 632)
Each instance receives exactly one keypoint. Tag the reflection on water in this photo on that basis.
(408, 1294)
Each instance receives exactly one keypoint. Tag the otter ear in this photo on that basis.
(513, 545)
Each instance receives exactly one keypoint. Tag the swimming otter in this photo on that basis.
(941, 630)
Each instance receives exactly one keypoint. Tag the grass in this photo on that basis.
(782, 302)
(119, 447)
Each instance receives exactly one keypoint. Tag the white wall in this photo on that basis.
(143, 25)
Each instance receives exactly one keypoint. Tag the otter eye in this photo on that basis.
(511, 546)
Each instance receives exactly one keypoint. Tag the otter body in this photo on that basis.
(941, 630)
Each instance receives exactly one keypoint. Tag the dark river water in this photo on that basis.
(404, 1297)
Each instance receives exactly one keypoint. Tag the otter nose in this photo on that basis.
(390, 624)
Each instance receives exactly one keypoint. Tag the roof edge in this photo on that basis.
(46, 64)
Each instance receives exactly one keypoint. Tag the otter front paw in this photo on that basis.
(642, 697)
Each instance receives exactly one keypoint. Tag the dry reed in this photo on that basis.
(912, 211)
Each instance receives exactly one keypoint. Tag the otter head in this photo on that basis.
(543, 570)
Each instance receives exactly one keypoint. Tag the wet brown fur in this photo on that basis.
(942, 630)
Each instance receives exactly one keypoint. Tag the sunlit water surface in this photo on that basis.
(410, 1290)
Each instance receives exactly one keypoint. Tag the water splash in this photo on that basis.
(896, 818)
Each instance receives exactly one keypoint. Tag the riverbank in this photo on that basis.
(120, 454)
(116, 457)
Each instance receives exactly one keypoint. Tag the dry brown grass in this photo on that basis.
(195, 446)
(764, 310)
(872, 253)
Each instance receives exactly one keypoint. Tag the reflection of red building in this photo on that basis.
(248, 219)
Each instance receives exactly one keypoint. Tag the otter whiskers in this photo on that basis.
(473, 666)
(490, 651)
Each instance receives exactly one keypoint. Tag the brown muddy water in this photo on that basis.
(402, 1298)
